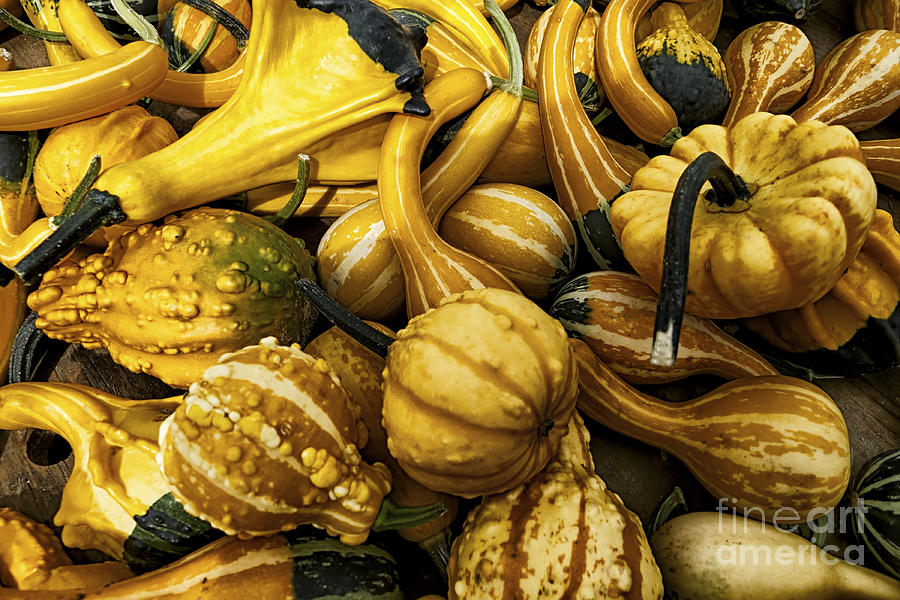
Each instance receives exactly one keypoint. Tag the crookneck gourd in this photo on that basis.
(311, 69)
(684, 68)
(613, 313)
(764, 444)
(562, 535)
(169, 299)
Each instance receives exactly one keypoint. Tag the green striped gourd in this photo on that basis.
(764, 444)
(562, 535)
(857, 84)
(185, 28)
(876, 489)
(614, 314)
(518, 230)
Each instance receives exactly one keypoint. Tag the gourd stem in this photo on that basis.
(29, 347)
(361, 331)
(23, 27)
(33, 147)
(224, 18)
(601, 116)
(136, 21)
(99, 209)
(288, 210)
(528, 94)
(196, 54)
(673, 287)
(438, 548)
(513, 52)
(394, 516)
(77, 196)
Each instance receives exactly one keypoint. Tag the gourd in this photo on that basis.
(703, 16)
(873, 492)
(876, 14)
(119, 136)
(275, 113)
(319, 201)
(780, 246)
(684, 68)
(883, 160)
(185, 27)
(562, 535)
(613, 313)
(586, 175)
(478, 392)
(43, 15)
(762, 443)
(857, 84)
(521, 231)
(32, 558)
(769, 67)
(6, 59)
(169, 299)
(700, 558)
(788, 11)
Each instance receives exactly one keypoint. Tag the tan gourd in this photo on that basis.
(883, 160)
(563, 535)
(760, 443)
(876, 14)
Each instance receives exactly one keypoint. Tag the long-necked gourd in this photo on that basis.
(561, 535)
(286, 101)
(722, 556)
(764, 444)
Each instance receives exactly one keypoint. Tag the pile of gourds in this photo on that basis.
(538, 266)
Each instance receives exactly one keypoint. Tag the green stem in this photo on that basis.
(224, 18)
(394, 516)
(196, 54)
(438, 548)
(675, 501)
(23, 27)
(603, 114)
(528, 94)
(74, 201)
(282, 216)
(33, 146)
(513, 52)
(145, 30)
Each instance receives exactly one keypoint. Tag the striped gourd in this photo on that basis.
(520, 231)
(769, 67)
(883, 160)
(857, 84)
(614, 314)
(764, 444)
(268, 440)
(153, 11)
(319, 201)
(875, 492)
(876, 14)
(478, 392)
(185, 28)
(585, 173)
(563, 535)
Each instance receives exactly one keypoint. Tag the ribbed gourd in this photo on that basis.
(169, 299)
(267, 440)
(562, 535)
(478, 392)
(875, 493)
(876, 14)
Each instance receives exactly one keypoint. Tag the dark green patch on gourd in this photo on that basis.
(326, 568)
(788, 11)
(589, 93)
(599, 235)
(875, 493)
(114, 24)
(164, 534)
(13, 157)
(386, 42)
(569, 309)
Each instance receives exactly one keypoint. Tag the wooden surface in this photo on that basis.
(642, 475)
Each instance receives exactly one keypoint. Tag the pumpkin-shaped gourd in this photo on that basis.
(614, 312)
(185, 27)
(876, 14)
(857, 84)
(563, 535)
(779, 238)
(478, 392)
(120, 136)
(684, 68)
(522, 232)
(769, 67)
(268, 440)
(875, 493)
(170, 299)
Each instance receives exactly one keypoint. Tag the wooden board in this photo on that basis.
(642, 475)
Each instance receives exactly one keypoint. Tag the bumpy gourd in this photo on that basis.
(268, 440)
(478, 392)
(169, 299)
(563, 535)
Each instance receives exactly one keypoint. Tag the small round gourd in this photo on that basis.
(268, 440)
(478, 392)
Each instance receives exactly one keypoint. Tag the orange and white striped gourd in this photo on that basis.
(762, 443)
(478, 393)
(267, 440)
(562, 535)
(187, 26)
(876, 14)
(769, 68)
(614, 313)
(586, 175)
(857, 84)
(521, 231)
(883, 160)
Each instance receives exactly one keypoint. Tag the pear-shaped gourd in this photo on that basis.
(562, 535)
